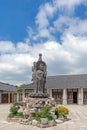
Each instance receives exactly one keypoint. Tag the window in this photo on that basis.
(57, 93)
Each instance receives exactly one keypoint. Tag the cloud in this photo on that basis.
(66, 58)
(45, 12)
(72, 25)
(56, 16)
(69, 5)
(6, 46)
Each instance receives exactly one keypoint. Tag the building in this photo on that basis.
(66, 89)
(8, 93)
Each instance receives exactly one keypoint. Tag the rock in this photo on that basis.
(35, 123)
(20, 109)
(55, 117)
(20, 119)
(44, 121)
(26, 112)
(59, 121)
(51, 123)
(30, 122)
(25, 122)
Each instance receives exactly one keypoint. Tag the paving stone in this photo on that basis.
(78, 116)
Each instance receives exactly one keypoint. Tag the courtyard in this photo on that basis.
(78, 116)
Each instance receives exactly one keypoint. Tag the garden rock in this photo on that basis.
(59, 121)
(44, 121)
(51, 123)
(35, 123)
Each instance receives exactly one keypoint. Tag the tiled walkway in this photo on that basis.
(78, 116)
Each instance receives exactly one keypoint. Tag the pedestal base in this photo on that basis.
(39, 95)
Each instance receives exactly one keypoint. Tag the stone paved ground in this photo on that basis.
(78, 115)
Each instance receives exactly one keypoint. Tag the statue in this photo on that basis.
(39, 70)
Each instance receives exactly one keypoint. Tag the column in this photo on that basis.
(9, 97)
(12, 97)
(80, 96)
(50, 93)
(23, 95)
(64, 96)
(17, 97)
(0, 97)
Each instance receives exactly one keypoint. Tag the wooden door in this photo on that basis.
(4, 98)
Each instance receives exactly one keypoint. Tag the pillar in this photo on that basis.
(17, 97)
(23, 95)
(9, 97)
(64, 96)
(50, 91)
(12, 97)
(80, 96)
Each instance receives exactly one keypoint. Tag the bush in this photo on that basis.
(11, 115)
(20, 114)
(14, 111)
(62, 110)
(44, 113)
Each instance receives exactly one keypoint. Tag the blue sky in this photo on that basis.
(57, 29)
(15, 16)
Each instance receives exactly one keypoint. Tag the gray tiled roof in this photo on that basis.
(67, 81)
(7, 87)
(29, 86)
(64, 81)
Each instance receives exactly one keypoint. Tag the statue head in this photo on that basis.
(40, 57)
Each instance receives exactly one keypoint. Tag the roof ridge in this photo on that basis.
(65, 75)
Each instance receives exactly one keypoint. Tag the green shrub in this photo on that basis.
(11, 115)
(14, 111)
(45, 109)
(20, 114)
(16, 104)
(38, 116)
(44, 113)
(62, 110)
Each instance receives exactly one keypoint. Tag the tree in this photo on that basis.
(20, 88)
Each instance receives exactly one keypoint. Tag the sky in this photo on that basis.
(55, 28)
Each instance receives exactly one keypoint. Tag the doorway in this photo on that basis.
(75, 97)
(4, 98)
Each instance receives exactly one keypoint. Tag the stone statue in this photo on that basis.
(39, 70)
